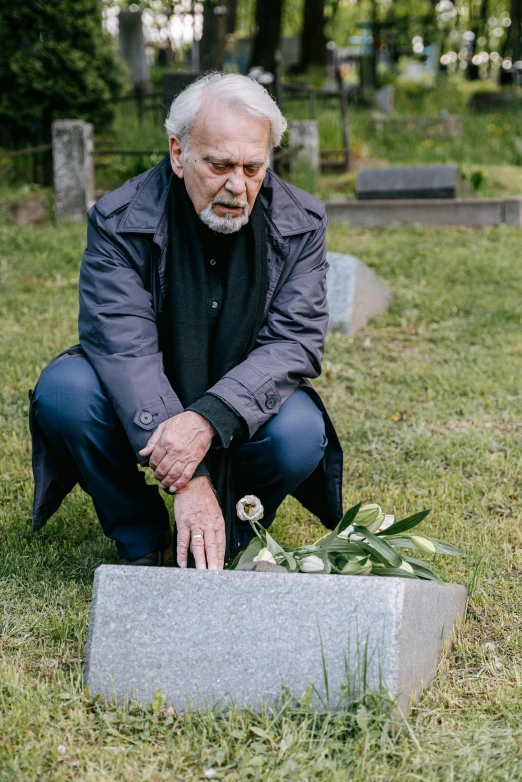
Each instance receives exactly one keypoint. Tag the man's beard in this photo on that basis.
(229, 223)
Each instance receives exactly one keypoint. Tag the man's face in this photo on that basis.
(226, 165)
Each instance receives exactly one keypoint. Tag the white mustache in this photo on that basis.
(229, 201)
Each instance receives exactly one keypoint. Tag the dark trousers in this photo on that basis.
(78, 420)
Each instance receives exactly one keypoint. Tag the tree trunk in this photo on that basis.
(268, 34)
(232, 16)
(313, 40)
(516, 29)
(212, 43)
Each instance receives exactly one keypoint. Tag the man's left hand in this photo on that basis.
(177, 447)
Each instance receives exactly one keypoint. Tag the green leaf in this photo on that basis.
(345, 522)
(400, 542)
(158, 701)
(292, 564)
(348, 518)
(446, 548)
(340, 546)
(380, 547)
(392, 571)
(425, 572)
(405, 524)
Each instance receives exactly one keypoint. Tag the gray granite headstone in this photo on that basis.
(132, 47)
(175, 82)
(355, 293)
(73, 169)
(303, 151)
(407, 182)
(384, 99)
(218, 637)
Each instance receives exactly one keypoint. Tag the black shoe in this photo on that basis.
(155, 558)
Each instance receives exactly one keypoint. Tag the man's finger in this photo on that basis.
(182, 546)
(153, 439)
(211, 550)
(184, 478)
(167, 468)
(221, 542)
(197, 545)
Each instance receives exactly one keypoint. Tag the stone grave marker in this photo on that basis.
(402, 182)
(73, 168)
(355, 293)
(219, 637)
(132, 48)
(174, 82)
(303, 151)
(384, 99)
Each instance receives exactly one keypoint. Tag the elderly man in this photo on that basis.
(202, 314)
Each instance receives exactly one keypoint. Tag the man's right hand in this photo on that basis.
(200, 525)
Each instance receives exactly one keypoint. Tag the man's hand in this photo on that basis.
(200, 525)
(177, 447)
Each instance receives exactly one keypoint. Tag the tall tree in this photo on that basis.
(213, 40)
(55, 61)
(313, 39)
(516, 30)
(267, 39)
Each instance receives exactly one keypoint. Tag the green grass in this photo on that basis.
(428, 403)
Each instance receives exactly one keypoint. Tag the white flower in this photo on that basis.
(311, 564)
(407, 567)
(360, 566)
(387, 522)
(249, 508)
(264, 556)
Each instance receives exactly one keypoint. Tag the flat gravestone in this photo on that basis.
(407, 182)
(175, 82)
(219, 637)
(355, 293)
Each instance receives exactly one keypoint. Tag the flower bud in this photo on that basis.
(407, 567)
(361, 566)
(423, 544)
(369, 516)
(264, 556)
(249, 508)
(311, 564)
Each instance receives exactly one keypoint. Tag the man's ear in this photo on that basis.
(176, 155)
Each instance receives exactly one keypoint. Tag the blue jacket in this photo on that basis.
(122, 289)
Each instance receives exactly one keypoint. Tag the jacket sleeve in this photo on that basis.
(291, 343)
(118, 331)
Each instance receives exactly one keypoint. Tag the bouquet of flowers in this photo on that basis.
(365, 542)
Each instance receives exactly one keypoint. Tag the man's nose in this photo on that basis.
(236, 181)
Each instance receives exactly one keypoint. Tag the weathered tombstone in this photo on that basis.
(175, 82)
(220, 637)
(132, 48)
(303, 150)
(73, 169)
(384, 99)
(407, 182)
(355, 293)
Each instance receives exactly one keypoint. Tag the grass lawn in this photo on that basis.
(428, 402)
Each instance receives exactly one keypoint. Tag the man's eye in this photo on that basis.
(252, 170)
(219, 168)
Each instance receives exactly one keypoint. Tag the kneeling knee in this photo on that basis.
(66, 395)
(297, 452)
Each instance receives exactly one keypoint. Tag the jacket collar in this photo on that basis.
(146, 212)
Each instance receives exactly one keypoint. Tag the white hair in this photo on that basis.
(232, 89)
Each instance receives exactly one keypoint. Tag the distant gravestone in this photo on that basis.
(355, 293)
(303, 152)
(73, 170)
(401, 182)
(132, 48)
(211, 638)
(384, 99)
(175, 82)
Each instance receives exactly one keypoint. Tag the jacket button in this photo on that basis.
(271, 402)
(146, 418)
